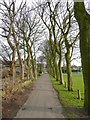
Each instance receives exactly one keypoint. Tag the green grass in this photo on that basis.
(69, 99)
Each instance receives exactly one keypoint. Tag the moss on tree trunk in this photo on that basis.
(83, 19)
(69, 71)
(60, 69)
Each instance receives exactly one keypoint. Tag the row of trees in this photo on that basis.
(60, 23)
(66, 24)
(21, 30)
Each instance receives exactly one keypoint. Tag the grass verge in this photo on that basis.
(73, 107)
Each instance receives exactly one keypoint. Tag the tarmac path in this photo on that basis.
(43, 101)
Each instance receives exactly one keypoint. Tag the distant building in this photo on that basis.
(74, 69)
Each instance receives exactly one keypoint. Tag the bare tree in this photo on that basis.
(29, 27)
(7, 29)
(44, 11)
(65, 25)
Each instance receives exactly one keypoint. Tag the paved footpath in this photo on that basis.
(43, 101)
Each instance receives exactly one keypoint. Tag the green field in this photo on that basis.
(69, 99)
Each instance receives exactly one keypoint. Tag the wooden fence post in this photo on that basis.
(79, 95)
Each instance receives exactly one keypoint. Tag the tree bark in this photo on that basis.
(18, 50)
(29, 65)
(56, 67)
(83, 19)
(13, 68)
(60, 72)
(34, 68)
(52, 53)
(69, 71)
(22, 70)
(19, 56)
(50, 66)
(59, 64)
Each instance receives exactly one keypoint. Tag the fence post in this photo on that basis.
(79, 95)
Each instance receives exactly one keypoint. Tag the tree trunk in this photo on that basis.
(19, 56)
(56, 67)
(60, 72)
(50, 65)
(52, 53)
(29, 65)
(22, 70)
(53, 23)
(28, 75)
(13, 69)
(59, 64)
(35, 69)
(69, 71)
(21, 66)
(83, 19)
(13, 72)
(24, 52)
